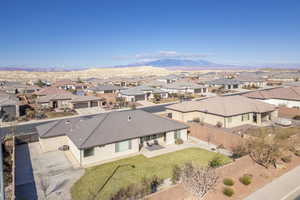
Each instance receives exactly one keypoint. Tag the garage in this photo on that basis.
(80, 105)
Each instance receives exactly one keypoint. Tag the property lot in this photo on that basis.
(37, 171)
(143, 167)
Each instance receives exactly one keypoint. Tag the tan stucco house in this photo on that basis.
(112, 135)
(228, 111)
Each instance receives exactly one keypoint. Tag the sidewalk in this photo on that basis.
(281, 188)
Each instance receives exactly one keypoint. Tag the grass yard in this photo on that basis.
(161, 166)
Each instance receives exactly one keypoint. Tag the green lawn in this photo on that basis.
(161, 166)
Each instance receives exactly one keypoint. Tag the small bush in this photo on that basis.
(219, 124)
(239, 151)
(228, 181)
(178, 141)
(176, 173)
(297, 153)
(196, 119)
(286, 159)
(216, 162)
(246, 179)
(296, 117)
(228, 191)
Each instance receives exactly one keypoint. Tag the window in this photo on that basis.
(177, 135)
(88, 152)
(229, 119)
(123, 146)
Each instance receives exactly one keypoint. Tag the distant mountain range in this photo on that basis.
(164, 63)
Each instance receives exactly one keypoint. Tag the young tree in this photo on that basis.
(198, 180)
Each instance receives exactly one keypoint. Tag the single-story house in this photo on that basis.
(171, 78)
(112, 135)
(101, 89)
(184, 88)
(226, 83)
(227, 111)
(50, 91)
(141, 93)
(249, 81)
(62, 101)
(9, 107)
(283, 96)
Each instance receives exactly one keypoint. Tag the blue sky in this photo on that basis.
(102, 33)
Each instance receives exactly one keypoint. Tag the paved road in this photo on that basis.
(286, 187)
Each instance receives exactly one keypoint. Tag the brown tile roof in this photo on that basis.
(224, 106)
(290, 93)
(51, 91)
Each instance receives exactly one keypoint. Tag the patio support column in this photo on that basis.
(258, 119)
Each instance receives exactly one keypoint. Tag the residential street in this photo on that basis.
(286, 187)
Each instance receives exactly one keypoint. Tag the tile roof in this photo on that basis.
(224, 106)
(140, 90)
(50, 91)
(289, 93)
(109, 127)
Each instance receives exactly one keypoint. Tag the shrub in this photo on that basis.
(296, 117)
(246, 179)
(286, 159)
(219, 124)
(138, 191)
(178, 141)
(176, 173)
(297, 153)
(239, 151)
(216, 162)
(228, 181)
(196, 119)
(228, 191)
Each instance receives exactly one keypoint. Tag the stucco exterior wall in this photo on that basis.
(107, 152)
(53, 143)
(75, 151)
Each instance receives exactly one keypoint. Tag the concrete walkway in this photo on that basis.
(286, 187)
(193, 142)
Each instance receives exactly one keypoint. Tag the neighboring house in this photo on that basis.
(249, 81)
(101, 89)
(185, 88)
(12, 87)
(227, 84)
(50, 91)
(289, 96)
(111, 135)
(141, 93)
(9, 107)
(71, 101)
(285, 76)
(69, 85)
(228, 112)
(171, 78)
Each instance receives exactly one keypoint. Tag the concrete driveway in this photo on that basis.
(51, 171)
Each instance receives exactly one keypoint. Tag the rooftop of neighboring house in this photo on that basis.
(7, 99)
(105, 88)
(51, 91)
(69, 96)
(250, 78)
(285, 75)
(287, 93)
(140, 90)
(183, 85)
(224, 81)
(224, 106)
(90, 131)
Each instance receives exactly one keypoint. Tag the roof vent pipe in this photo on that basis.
(129, 118)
